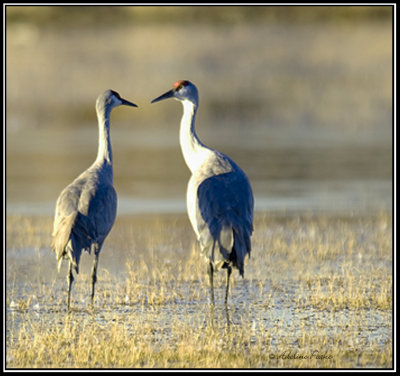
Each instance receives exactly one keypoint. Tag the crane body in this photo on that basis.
(86, 208)
(219, 196)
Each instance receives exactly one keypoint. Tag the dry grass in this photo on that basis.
(317, 294)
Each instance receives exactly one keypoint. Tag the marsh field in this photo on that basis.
(299, 97)
(317, 293)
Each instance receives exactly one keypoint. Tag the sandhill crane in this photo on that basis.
(219, 196)
(86, 208)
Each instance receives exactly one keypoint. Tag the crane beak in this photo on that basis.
(127, 103)
(166, 95)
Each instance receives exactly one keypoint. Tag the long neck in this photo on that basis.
(194, 151)
(104, 152)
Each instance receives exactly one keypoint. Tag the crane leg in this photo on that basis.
(94, 275)
(211, 276)
(228, 275)
(70, 279)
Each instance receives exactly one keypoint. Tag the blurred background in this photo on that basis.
(300, 97)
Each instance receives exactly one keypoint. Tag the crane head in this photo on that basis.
(110, 99)
(181, 90)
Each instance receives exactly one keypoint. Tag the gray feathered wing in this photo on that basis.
(225, 211)
(85, 213)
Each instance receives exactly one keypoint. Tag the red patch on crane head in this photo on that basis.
(179, 84)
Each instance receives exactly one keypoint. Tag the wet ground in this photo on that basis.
(299, 284)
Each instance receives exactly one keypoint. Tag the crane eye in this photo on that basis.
(115, 94)
(180, 84)
(178, 87)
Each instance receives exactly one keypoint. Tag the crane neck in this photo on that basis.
(104, 152)
(193, 150)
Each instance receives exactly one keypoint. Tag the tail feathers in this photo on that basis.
(241, 247)
(233, 246)
(228, 246)
(69, 255)
(225, 241)
(64, 241)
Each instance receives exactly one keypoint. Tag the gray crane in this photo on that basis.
(219, 196)
(86, 208)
